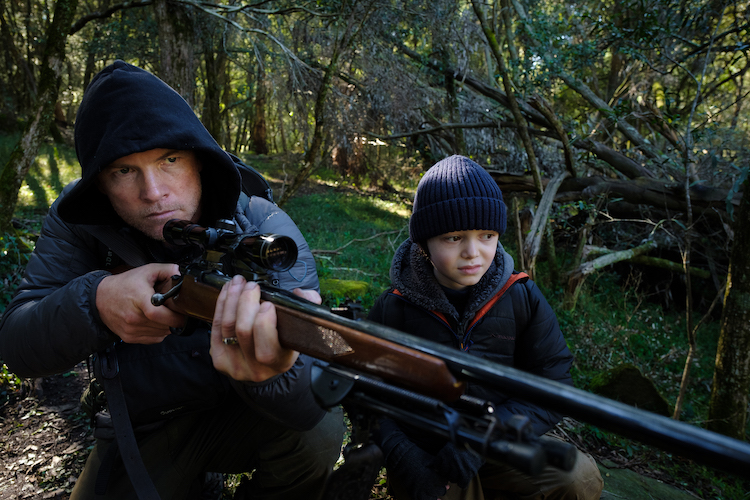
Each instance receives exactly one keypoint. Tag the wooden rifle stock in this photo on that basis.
(313, 330)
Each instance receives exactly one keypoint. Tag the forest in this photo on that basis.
(616, 130)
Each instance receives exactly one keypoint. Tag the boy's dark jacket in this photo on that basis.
(52, 323)
(520, 330)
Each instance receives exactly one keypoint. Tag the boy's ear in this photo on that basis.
(423, 246)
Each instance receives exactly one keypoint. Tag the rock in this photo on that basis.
(626, 383)
(625, 483)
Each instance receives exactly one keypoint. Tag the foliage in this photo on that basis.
(54, 167)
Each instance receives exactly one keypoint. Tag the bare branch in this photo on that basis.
(78, 25)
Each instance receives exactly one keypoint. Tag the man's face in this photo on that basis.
(461, 258)
(149, 188)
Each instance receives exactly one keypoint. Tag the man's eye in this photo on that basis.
(171, 159)
(123, 170)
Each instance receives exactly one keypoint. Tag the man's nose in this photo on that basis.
(152, 187)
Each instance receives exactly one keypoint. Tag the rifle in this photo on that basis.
(370, 368)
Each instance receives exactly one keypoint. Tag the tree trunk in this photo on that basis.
(22, 84)
(260, 136)
(313, 152)
(512, 102)
(452, 103)
(727, 412)
(50, 77)
(216, 81)
(176, 52)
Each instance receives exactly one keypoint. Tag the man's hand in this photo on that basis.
(257, 356)
(124, 304)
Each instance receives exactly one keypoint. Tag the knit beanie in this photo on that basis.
(456, 194)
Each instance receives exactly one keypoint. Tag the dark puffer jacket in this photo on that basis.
(53, 324)
(520, 330)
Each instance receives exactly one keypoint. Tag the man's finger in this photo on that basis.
(229, 312)
(216, 344)
(266, 339)
(308, 294)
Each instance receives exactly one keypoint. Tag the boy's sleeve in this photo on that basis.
(540, 349)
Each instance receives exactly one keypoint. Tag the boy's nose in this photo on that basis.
(471, 249)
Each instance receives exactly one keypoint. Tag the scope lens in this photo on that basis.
(272, 251)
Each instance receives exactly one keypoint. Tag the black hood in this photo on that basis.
(127, 110)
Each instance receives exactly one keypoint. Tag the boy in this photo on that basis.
(452, 265)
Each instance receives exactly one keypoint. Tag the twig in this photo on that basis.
(353, 270)
(357, 240)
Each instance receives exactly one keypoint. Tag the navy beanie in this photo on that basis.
(456, 194)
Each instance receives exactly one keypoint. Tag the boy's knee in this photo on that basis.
(585, 479)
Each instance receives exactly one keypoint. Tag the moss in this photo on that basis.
(343, 289)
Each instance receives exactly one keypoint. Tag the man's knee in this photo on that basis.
(323, 442)
(297, 464)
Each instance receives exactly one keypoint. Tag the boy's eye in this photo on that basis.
(453, 238)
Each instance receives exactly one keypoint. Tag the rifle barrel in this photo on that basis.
(703, 446)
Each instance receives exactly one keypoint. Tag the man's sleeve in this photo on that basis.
(269, 218)
(51, 323)
(286, 398)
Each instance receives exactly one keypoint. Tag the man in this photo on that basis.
(197, 404)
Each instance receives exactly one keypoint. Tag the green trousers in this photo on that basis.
(286, 464)
(503, 482)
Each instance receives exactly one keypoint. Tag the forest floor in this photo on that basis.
(47, 439)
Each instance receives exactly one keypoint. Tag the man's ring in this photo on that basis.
(230, 341)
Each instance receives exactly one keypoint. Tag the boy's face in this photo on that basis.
(461, 258)
(149, 188)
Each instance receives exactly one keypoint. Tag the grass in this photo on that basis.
(353, 237)
(354, 233)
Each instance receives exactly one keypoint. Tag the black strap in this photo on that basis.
(124, 435)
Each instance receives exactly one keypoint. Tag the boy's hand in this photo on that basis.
(458, 465)
(124, 304)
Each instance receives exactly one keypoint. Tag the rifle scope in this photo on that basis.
(270, 251)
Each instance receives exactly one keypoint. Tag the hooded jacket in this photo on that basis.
(53, 323)
(519, 330)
